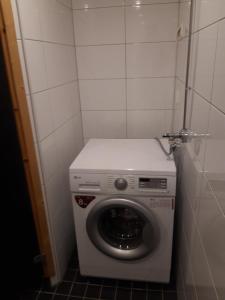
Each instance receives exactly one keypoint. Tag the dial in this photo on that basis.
(120, 184)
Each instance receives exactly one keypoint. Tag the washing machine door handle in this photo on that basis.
(123, 229)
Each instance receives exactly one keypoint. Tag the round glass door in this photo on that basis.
(123, 229)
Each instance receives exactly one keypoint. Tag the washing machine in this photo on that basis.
(123, 194)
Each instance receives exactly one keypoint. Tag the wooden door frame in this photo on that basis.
(24, 129)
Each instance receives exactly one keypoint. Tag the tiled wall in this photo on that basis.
(126, 66)
(201, 201)
(46, 44)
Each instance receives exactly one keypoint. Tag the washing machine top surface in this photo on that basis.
(136, 156)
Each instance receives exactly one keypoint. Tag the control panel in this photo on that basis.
(153, 183)
(123, 184)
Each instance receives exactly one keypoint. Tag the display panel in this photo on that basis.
(152, 183)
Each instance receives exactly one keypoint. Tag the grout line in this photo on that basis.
(71, 288)
(125, 5)
(127, 43)
(116, 288)
(138, 109)
(38, 294)
(85, 292)
(53, 87)
(57, 128)
(208, 101)
(49, 42)
(77, 74)
(130, 78)
(200, 29)
(100, 292)
(64, 5)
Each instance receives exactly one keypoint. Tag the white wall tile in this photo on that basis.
(151, 23)
(182, 47)
(16, 20)
(77, 4)
(150, 93)
(212, 221)
(47, 25)
(204, 157)
(178, 106)
(64, 144)
(75, 98)
(151, 60)
(34, 53)
(99, 26)
(30, 19)
(147, 124)
(203, 63)
(215, 149)
(99, 62)
(57, 24)
(140, 2)
(77, 139)
(62, 98)
(32, 121)
(60, 64)
(23, 67)
(201, 108)
(104, 124)
(107, 94)
(43, 114)
(219, 75)
(208, 12)
(202, 278)
(50, 161)
(184, 18)
(67, 3)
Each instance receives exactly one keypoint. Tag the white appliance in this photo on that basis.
(123, 194)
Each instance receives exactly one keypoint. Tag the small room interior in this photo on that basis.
(129, 69)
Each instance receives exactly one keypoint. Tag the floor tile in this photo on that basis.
(139, 294)
(46, 287)
(81, 279)
(139, 285)
(108, 293)
(155, 286)
(31, 295)
(59, 297)
(155, 295)
(95, 280)
(45, 296)
(78, 289)
(64, 288)
(109, 282)
(123, 294)
(93, 291)
(170, 295)
(124, 283)
(70, 275)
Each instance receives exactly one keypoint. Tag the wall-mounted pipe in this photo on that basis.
(188, 64)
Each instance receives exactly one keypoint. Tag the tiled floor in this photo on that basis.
(76, 287)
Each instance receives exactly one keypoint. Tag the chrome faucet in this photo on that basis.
(184, 136)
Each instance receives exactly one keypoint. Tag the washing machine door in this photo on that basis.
(123, 229)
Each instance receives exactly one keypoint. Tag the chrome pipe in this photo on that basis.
(188, 64)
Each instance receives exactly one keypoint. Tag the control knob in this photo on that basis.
(120, 184)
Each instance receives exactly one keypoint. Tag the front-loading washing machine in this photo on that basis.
(123, 194)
